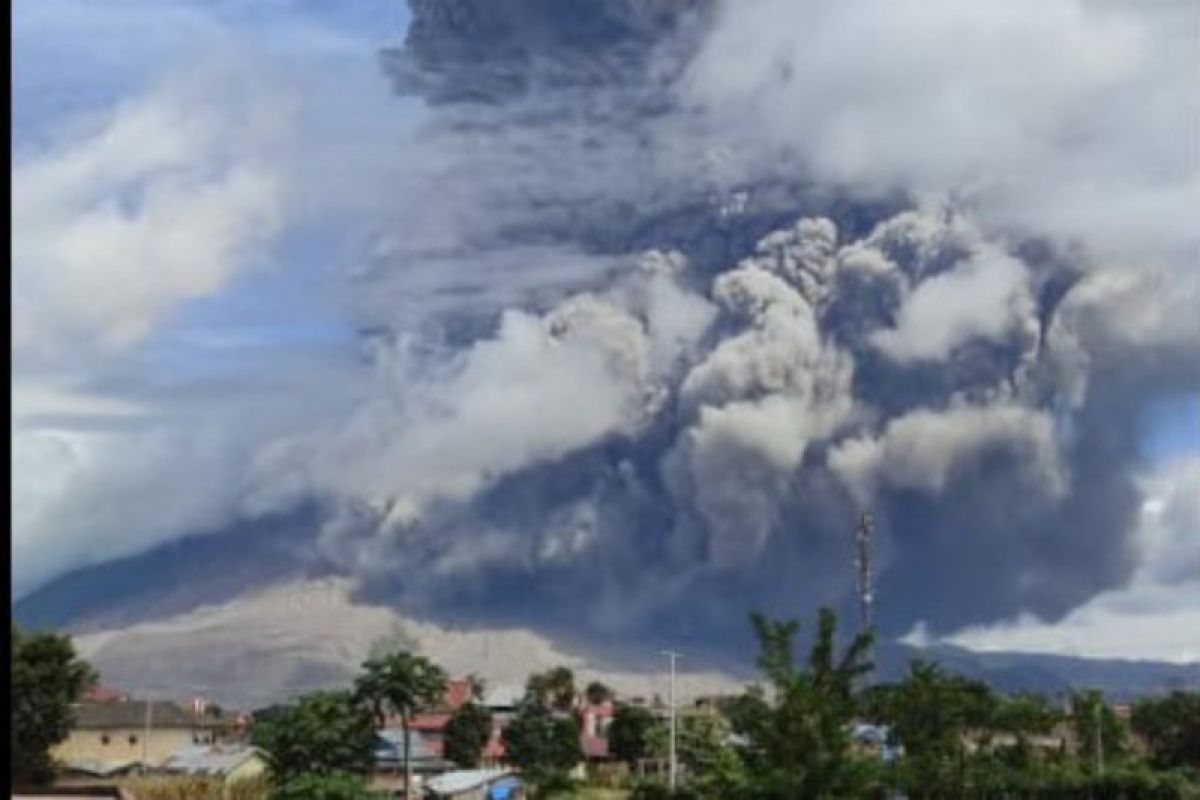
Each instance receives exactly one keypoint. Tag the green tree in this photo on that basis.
(597, 693)
(552, 689)
(1089, 710)
(320, 734)
(1171, 728)
(796, 744)
(627, 732)
(930, 713)
(402, 683)
(544, 744)
(702, 747)
(47, 680)
(1023, 715)
(467, 733)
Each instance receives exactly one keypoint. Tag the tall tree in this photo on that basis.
(597, 693)
(930, 713)
(1171, 728)
(47, 680)
(628, 731)
(1023, 715)
(796, 744)
(467, 733)
(320, 734)
(544, 744)
(1089, 711)
(552, 689)
(402, 683)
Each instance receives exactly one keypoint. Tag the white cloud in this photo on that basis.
(1068, 116)
(922, 449)
(985, 297)
(169, 200)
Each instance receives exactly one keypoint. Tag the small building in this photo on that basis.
(230, 763)
(425, 759)
(474, 784)
(123, 731)
(79, 772)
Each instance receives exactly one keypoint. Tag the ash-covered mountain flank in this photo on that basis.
(661, 306)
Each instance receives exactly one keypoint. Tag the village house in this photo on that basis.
(232, 763)
(116, 736)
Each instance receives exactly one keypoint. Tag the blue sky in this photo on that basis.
(75, 60)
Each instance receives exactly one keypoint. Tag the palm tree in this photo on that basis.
(553, 689)
(404, 684)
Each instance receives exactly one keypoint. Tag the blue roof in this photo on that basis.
(503, 788)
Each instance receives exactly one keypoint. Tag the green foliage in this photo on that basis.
(930, 713)
(467, 734)
(336, 786)
(701, 745)
(627, 733)
(323, 734)
(597, 693)
(1088, 710)
(47, 679)
(403, 683)
(1171, 727)
(552, 689)
(543, 744)
(657, 790)
(797, 743)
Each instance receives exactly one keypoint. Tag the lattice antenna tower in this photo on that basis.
(862, 565)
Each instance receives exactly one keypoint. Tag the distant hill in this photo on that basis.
(242, 618)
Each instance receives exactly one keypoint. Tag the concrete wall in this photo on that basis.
(88, 745)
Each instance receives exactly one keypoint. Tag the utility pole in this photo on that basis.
(1099, 738)
(146, 732)
(671, 656)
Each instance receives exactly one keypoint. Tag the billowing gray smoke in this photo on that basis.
(632, 374)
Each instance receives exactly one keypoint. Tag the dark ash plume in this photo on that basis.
(629, 378)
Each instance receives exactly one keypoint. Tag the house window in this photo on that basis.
(132, 739)
(104, 738)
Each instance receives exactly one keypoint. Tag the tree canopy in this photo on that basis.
(544, 744)
(1171, 727)
(467, 733)
(48, 678)
(323, 734)
(628, 731)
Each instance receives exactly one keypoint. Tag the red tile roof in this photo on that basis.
(458, 693)
(594, 746)
(103, 694)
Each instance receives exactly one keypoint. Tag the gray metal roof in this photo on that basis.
(131, 714)
(209, 759)
(101, 769)
(423, 746)
(464, 780)
(503, 696)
